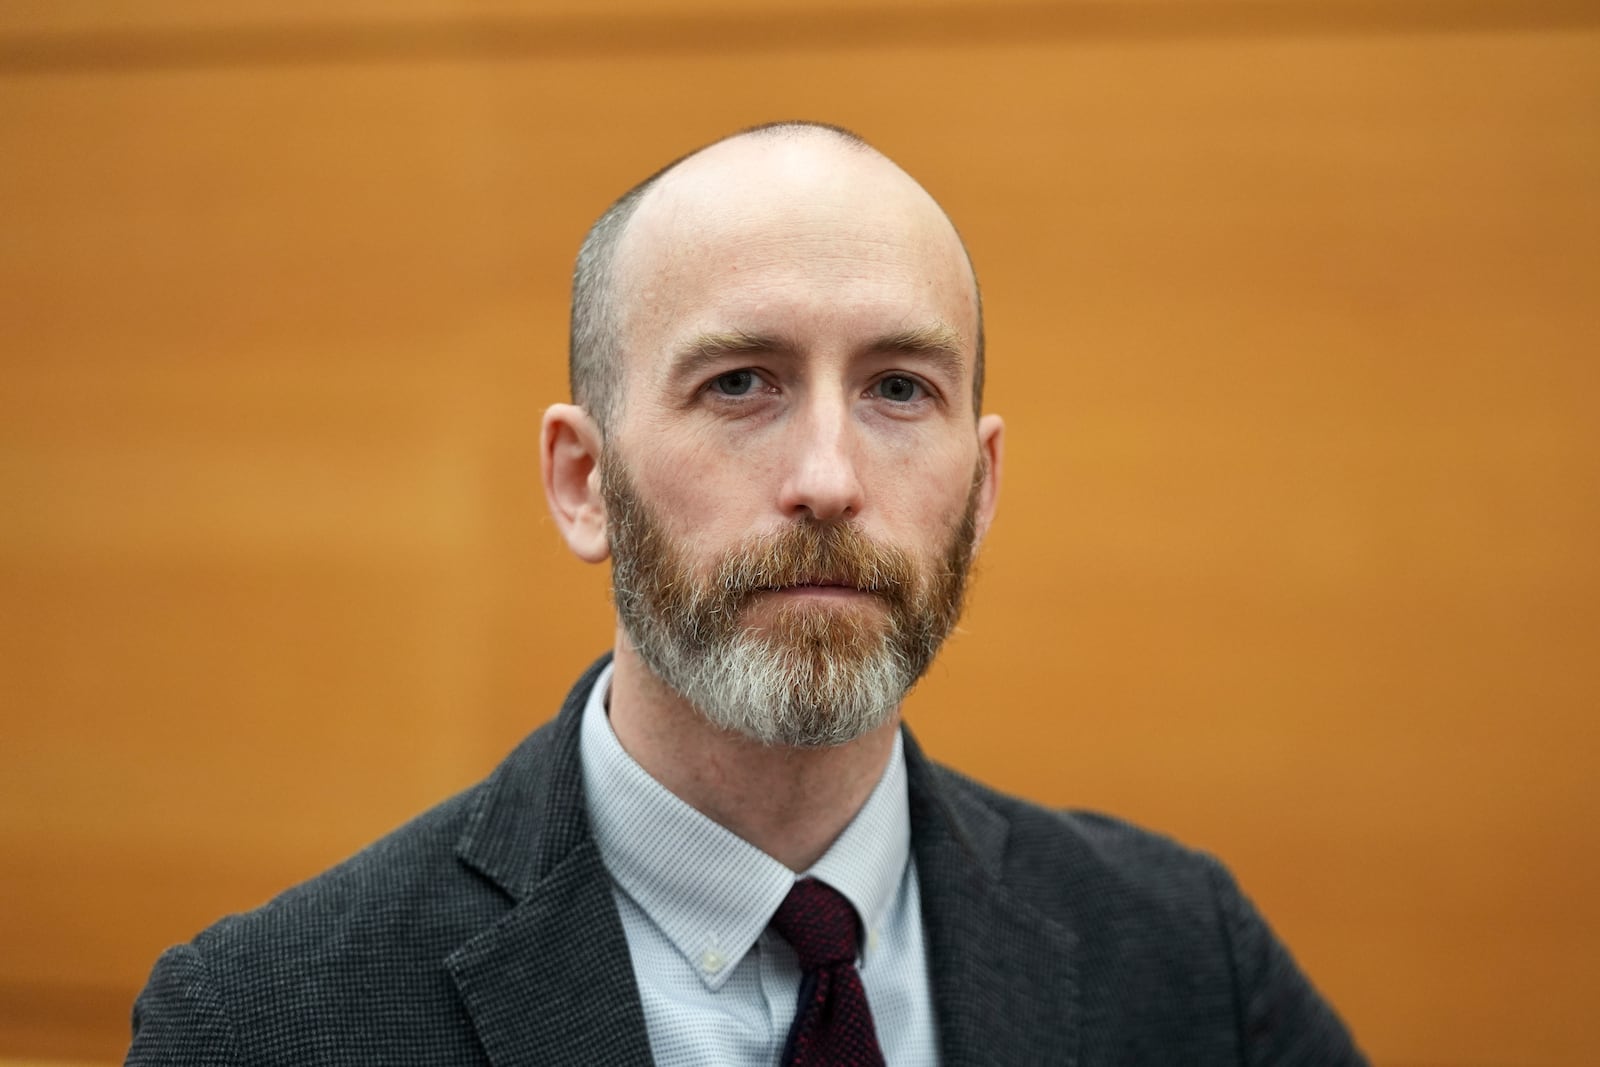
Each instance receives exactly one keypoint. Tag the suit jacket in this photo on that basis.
(484, 931)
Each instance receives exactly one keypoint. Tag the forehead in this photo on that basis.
(790, 235)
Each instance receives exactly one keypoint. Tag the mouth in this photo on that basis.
(819, 587)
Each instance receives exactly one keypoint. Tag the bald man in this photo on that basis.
(725, 849)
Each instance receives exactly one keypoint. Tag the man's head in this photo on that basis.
(778, 341)
(595, 345)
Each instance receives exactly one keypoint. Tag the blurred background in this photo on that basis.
(1294, 314)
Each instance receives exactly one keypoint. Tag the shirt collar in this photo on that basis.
(710, 892)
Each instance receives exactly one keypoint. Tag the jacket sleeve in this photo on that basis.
(180, 1019)
(1283, 1021)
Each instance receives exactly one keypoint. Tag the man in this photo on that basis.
(725, 850)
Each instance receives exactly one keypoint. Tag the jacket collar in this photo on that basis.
(552, 982)
(1004, 976)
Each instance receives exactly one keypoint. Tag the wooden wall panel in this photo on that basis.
(1294, 331)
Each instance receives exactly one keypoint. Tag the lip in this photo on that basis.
(823, 590)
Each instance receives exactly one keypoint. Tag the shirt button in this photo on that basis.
(712, 961)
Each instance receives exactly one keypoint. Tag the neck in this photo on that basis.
(791, 803)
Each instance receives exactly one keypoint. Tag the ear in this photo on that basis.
(991, 446)
(569, 457)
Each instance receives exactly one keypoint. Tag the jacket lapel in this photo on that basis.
(1004, 977)
(551, 982)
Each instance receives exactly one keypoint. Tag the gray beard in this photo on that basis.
(742, 683)
(820, 676)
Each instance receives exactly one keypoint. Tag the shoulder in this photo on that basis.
(409, 882)
(1144, 912)
(423, 889)
(1167, 945)
(324, 959)
(1047, 855)
(352, 959)
(358, 959)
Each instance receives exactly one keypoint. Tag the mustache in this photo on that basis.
(810, 553)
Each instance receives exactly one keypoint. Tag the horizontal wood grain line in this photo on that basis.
(535, 36)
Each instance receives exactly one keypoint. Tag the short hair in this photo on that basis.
(594, 344)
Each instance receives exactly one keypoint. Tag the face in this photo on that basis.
(796, 480)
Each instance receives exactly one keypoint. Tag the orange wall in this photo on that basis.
(1292, 313)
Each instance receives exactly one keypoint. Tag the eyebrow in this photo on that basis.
(936, 341)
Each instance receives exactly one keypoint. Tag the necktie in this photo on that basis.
(832, 1022)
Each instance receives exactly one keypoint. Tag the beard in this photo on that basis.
(809, 673)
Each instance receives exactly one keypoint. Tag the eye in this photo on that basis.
(898, 388)
(734, 383)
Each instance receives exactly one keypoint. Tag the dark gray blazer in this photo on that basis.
(484, 932)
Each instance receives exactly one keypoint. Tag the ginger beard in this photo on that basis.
(810, 672)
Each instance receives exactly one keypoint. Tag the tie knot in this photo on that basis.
(819, 924)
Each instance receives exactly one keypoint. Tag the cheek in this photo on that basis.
(929, 479)
(920, 504)
(705, 501)
(707, 461)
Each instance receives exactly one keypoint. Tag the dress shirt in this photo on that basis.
(717, 986)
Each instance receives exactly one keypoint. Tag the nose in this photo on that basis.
(823, 479)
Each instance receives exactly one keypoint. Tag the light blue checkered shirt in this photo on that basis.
(718, 987)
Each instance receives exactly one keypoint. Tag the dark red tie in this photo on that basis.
(832, 1023)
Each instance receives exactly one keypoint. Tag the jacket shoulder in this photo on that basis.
(1045, 853)
(353, 957)
(410, 878)
(1166, 941)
